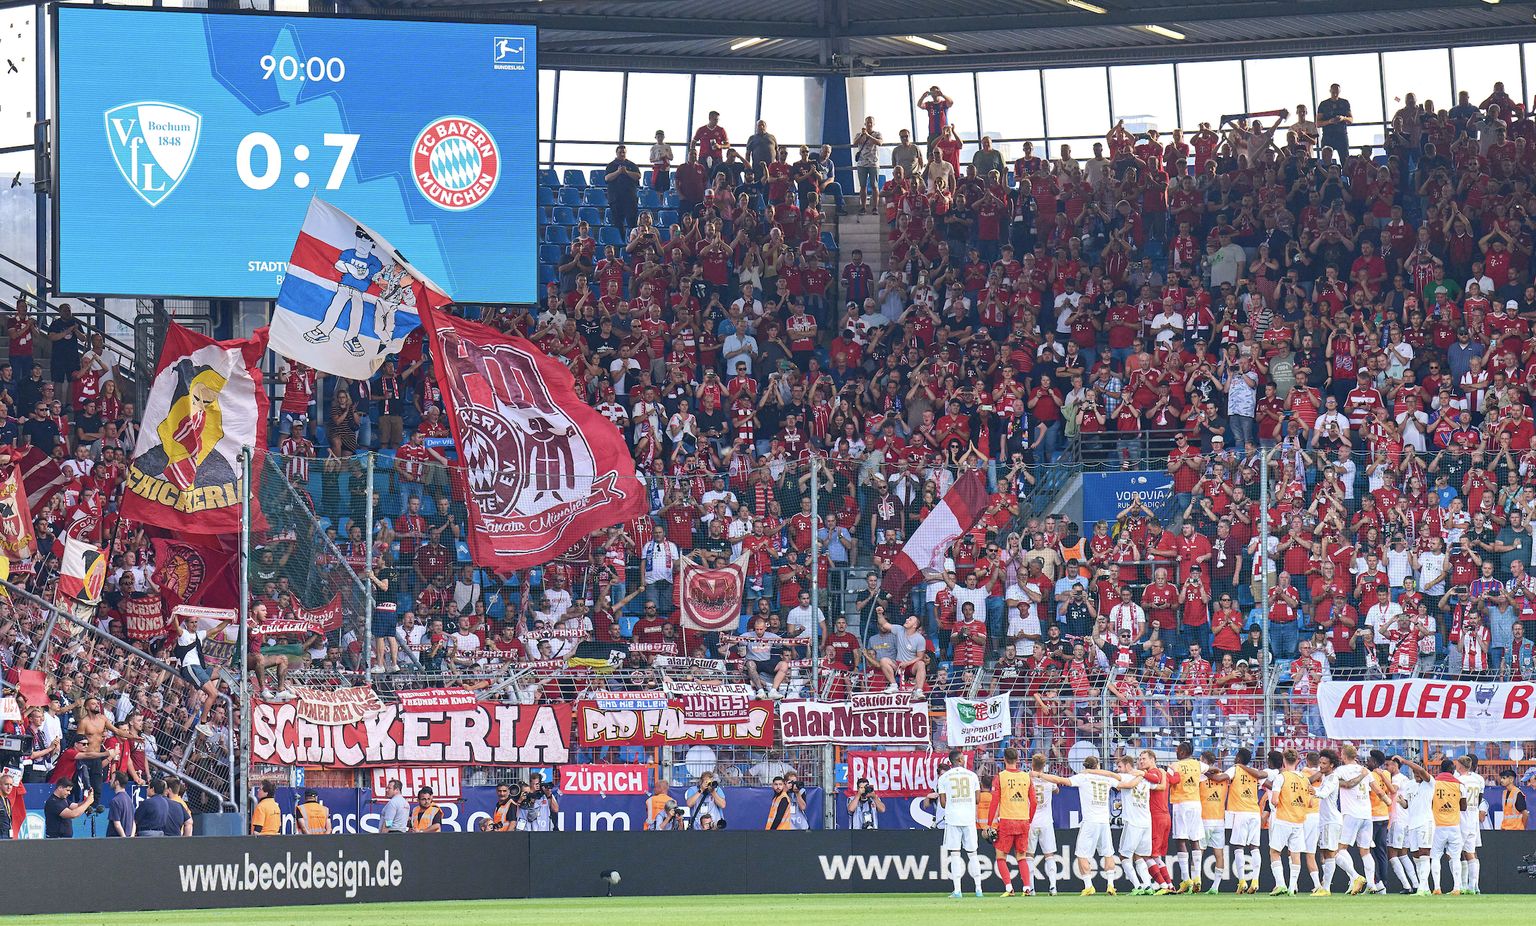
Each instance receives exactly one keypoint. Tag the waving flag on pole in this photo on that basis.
(349, 298)
(205, 404)
(82, 573)
(543, 468)
(957, 512)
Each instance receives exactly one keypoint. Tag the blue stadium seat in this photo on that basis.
(596, 196)
(590, 215)
(546, 196)
(827, 242)
(548, 177)
(462, 550)
(666, 217)
(557, 234)
(609, 235)
(1154, 249)
(665, 232)
(570, 196)
(575, 178)
(563, 215)
(670, 200)
(650, 199)
(549, 254)
(598, 176)
(547, 274)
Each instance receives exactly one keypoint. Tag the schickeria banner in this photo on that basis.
(1420, 708)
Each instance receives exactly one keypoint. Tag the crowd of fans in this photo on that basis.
(1183, 303)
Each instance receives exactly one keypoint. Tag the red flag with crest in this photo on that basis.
(16, 537)
(186, 571)
(542, 468)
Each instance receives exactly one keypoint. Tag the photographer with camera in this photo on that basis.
(863, 807)
(705, 798)
(662, 812)
(706, 822)
(797, 818)
(539, 804)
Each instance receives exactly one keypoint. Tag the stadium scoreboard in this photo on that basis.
(189, 145)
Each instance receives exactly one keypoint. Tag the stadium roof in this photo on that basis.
(876, 36)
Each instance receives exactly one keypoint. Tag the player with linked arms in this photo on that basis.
(958, 787)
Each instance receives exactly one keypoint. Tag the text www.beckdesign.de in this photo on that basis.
(290, 874)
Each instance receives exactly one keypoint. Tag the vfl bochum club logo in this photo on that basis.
(455, 163)
(153, 143)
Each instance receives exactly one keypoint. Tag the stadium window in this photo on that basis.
(546, 105)
(1010, 108)
(1143, 94)
(1076, 104)
(590, 102)
(1425, 73)
(1359, 80)
(1475, 70)
(784, 109)
(734, 97)
(1278, 83)
(1209, 90)
(656, 101)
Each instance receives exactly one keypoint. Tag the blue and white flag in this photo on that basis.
(349, 298)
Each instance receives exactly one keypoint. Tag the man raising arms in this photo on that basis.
(1288, 798)
(1093, 786)
(1187, 827)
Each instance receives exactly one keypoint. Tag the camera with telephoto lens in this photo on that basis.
(1529, 868)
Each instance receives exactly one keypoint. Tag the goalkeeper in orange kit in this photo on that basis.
(1013, 807)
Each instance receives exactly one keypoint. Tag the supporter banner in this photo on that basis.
(543, 468)
(284, 626)
(630, 701)
(1306, 744)
(596, 726)
(604, 779)
(437, 699)
(688, 664)
(446, 781)
(339, 707)
(1426, 709)
(956, 513)
(205, 404)
(1105, 495)
(221, 652)
(16, 538)
(895, 774)
(9, 709)
(491, 734)
(710, 599)
(327, 618)
(144, 618)
(712, 704)
(977, 723)
(82, 573)
(807, 722)
(185, 571)
(348, 299)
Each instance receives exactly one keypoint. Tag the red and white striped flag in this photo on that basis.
(957, 512)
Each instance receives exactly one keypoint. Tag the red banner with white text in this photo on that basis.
(489, 734)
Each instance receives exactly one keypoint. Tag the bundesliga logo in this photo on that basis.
(455, 163)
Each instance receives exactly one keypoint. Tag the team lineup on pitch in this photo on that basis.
(1326, 811)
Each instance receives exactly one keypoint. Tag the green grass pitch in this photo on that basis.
(833, 910)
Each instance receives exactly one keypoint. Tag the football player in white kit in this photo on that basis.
(1329, 823)
(957, 789)
(1042, 826)
(1403, 790)
(1420, 829)
(1471, 822)
(1356, 785)
(1136, 835)
(1094, 786)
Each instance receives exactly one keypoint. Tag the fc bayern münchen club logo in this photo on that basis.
(455, 163)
